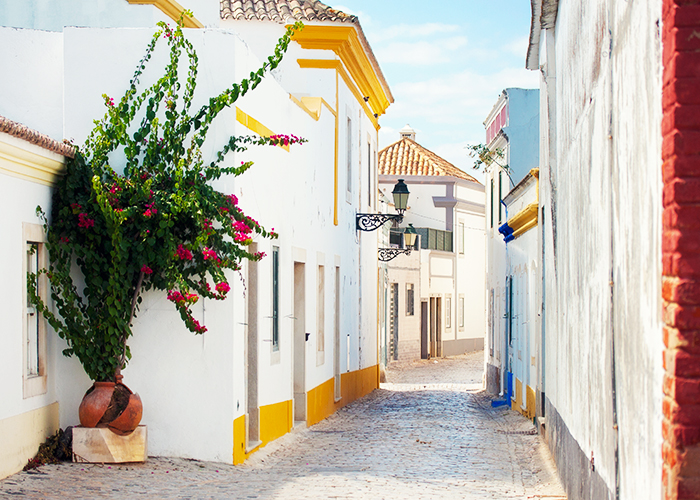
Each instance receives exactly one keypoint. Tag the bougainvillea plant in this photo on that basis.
(158, 224)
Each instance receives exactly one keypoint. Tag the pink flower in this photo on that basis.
(210, 254)
(222, 287)
(150, 212)
(184, 253)
(242, 238)
(146, 270)
(233, 199)
(84, 221)
(259, 255)
(64, 239)
(241, 227)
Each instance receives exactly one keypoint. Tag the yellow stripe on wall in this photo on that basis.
(21, 435)
(320, 401)
(277, 419)
(248, 121)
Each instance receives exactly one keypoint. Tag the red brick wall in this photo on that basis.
(681, 248)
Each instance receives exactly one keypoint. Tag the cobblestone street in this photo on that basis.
(429, 433)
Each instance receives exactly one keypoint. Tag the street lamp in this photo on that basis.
(409, 241)
(370, 222)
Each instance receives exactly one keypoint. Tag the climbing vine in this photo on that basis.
(158, 224)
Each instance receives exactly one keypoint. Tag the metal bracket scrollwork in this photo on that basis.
(370, 222)
(387, 254)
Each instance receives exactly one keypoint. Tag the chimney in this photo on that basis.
(408, 132)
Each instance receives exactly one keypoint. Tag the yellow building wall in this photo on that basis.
(320, 401)
(21, 435)
(529, 409)
(277, 419)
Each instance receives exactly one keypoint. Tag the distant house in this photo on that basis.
(512, 127)
(280, 350)
(436, 295)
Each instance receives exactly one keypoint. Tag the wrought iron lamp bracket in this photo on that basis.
(387, 254)
(370, 222)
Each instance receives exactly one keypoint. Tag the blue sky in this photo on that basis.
(446, 62)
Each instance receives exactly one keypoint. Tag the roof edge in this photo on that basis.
(35, 137)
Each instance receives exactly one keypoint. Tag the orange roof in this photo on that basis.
(407, 157)
(280, 10)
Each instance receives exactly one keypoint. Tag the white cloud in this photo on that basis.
(420, 52)
(457, 98)
(412, 31)
(518, 46)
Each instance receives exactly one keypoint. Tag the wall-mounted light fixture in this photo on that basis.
(370, 222)
(409, 241)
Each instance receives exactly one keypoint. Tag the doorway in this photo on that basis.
(435, 327)
(299, 342)
(424, 352)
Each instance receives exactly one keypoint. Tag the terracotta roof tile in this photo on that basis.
(16, 129)
(407, 157)
(280, 10)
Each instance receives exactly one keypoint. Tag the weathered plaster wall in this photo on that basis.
(602, 197)
(193, 387)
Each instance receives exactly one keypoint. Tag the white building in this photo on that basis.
(522, 297)
(512, 127)
(29, 165)
(446, 207)
(609, 260)
(255, 372)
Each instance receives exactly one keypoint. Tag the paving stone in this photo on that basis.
(428, 433)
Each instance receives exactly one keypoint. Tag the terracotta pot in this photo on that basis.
(113, 405)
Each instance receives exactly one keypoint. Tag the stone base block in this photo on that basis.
(100, 445)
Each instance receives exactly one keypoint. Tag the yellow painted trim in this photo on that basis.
(338, 66)
(248, 121)
(517, 403)
(524, 220)
(172, 9)
(321, 403)
(276, 420)
(343, 40)
(531, 402)
(312, 105)
(30, 166)
(21, 436)
(336, 175)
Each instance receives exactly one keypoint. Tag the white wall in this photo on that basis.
(192, 385)
(32, 93)
(602, 187)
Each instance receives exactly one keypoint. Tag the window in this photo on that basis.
(275, 298)
(500, 195)
(410, 299)
(491, 199)
(460, 238)
(448, 311)
(34, 325)
(460, 313)
(321, 310)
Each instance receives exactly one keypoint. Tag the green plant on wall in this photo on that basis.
(159, 224)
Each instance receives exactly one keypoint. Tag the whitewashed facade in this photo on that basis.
(221, 395)
(601, 200)
(512, 127)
